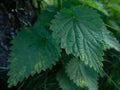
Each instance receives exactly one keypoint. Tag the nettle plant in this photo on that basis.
(73, 37)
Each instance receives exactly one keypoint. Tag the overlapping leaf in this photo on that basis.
(65, 83)
(30, 54)
(44, 18)
(43, 22)
(110, 40)
(82, 74)
(79, 32)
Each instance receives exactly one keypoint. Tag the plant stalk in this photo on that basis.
(59, 4)
(39, 5)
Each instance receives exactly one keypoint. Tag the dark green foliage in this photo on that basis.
(40, 55)
(81, 74)
(76, 37)
(65, 82)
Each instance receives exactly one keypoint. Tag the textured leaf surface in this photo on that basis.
(79, 32)
(31, 54)
(65, 83)
(82, 74)
(110, 40)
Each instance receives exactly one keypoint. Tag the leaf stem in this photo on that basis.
(59, 4)
(39, 4)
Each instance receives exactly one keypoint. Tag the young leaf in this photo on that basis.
(79, 32)
(30, 54)
(82, 74)
(64, 81)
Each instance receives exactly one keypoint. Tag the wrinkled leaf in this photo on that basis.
(79, 32)
(65, 83)
(30, 54)
(82, 74)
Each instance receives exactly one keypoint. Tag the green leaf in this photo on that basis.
(79, 32)
(95, 4)
(64, 82)
(35, 3)
(115, 1)
(82, 74)
(110, 40)
(30, 54)
(113, 25)
(43, 22)
(51, 2)
(44, 18)
(115, 7)
(50, 8)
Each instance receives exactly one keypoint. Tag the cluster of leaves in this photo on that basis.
(73, 36)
